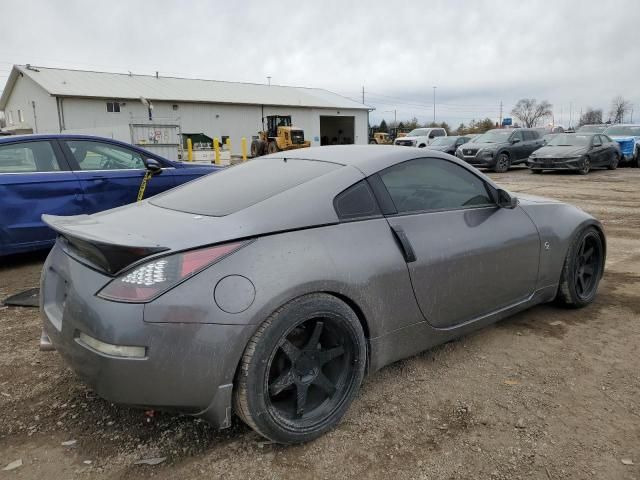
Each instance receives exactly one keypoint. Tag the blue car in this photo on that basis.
(628, 137)
(73, 175)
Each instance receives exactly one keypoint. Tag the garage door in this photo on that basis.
(336, 130)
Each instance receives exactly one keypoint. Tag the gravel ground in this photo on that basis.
(547, 394)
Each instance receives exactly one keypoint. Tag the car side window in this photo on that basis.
(28, 157)
(596, 141)
(103, 156)
(356, 202)
(430, 184)
(439, 133)
(530, 136)
(516, 135)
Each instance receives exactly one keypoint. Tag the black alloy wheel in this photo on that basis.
(588, 266)
(301, 370)
(613, 164)
(583, 268)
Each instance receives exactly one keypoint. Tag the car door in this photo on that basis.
(533, 141)
(600, 151)
(110, 174)
(467, 256)
(34, 179)
(518, 146)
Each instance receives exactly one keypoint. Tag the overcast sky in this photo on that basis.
(478, 53)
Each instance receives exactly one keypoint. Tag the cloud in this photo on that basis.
(573, 53)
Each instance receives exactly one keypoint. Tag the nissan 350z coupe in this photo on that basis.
(271, 288)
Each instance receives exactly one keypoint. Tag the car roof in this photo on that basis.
(369, 159)
(70, 136)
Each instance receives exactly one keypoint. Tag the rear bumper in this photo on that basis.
(185, 367)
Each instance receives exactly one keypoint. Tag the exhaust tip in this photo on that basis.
(45, 343)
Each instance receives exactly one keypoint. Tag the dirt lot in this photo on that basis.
(548, 394)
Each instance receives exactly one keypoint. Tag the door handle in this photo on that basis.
(404, 243)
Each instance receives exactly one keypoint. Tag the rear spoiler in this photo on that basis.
(107, 248)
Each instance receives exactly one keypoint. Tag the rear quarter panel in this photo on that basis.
(356, 260)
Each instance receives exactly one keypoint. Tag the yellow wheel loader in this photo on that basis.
(278, 135)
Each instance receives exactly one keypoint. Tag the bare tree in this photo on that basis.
(619, 108)
(591, 117)
(530, 112)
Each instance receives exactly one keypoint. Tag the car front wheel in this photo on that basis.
(301, 370)
(586, 166)
(582, 269)
(503, 162)
(613, 164)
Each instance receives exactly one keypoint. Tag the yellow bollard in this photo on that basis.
(216, 149)
(189, 150)
(244, 149)
(229, 146)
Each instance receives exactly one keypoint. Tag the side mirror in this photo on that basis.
(515, 140)
(153, 166)
(505, 200)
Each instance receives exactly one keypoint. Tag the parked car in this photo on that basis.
(71, 175)
(498, 149)
(270, 288)
(576, 151)
(420, 137)
(628, 136)
(592, 128)
(449, 144)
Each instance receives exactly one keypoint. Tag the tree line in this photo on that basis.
(528, 111)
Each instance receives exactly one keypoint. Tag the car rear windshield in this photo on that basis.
(239, 187)
(569, 140)
(591, 129)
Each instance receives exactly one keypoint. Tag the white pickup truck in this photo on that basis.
(420, 137)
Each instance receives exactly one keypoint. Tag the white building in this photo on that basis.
(51, 100)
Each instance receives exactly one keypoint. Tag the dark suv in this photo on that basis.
(498, 149)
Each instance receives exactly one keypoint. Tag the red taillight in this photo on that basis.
(150, 279)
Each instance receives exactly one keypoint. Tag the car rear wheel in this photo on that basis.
(582, 270)
(503, 163)
(586, 166)
(301, 369)
(613, 164)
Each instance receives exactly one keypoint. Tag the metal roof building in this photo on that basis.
(150, 110)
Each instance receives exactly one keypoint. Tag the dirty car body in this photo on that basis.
(335, 223)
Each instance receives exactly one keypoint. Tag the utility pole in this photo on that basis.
(363, 94)
(434, 104)
(269, 80)
(570, 114)
(500, 124)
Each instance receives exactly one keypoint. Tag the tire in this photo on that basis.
(503, 162)
(422, 145)
(635, 162)
(536, 170)
(615, 160)
(575, 291)
(256, 148)
(301, 369)
(372, 142)
(273, 147)
(586, 166)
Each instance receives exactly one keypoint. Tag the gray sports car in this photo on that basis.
(272, 287)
